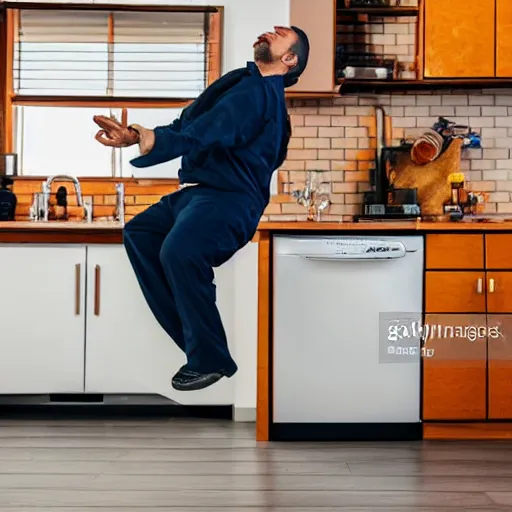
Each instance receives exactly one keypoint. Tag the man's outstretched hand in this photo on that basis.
(119, 135)
(114, 133)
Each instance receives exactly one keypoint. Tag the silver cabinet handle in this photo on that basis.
(480, 285)
(492, 286)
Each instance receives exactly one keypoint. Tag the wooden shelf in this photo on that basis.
(351, 86)
(380, 11)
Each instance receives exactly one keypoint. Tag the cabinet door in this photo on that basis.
(503, 38)
(454, 292)
(500, 367)
(498, 251)
(454, 252)
(43, 319)
(454, 378)
(499, 292)
(317, 19)
(127, 352)
(459, 38)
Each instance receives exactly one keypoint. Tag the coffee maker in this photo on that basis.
(383, 201)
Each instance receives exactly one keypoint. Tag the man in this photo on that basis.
(232, 138)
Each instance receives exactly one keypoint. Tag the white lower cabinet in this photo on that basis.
(74, 320)
(42, 312)
(127, 352)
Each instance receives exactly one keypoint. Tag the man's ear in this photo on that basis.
(291, 60)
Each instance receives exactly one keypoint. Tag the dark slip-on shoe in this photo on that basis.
(187, 380)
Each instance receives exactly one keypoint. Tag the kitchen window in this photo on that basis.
(65, 65)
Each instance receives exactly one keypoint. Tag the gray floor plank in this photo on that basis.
(137, 432)
(182, 499)
(432, 468)
(187, 468)
(264, 509)
(122, 443)
(64, 454)
(237, 482)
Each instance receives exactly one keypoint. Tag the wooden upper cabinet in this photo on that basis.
(460, 38)
(317, 18)
(503, 38)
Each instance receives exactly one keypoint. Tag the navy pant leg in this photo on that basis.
(144, 236)
(209, 228)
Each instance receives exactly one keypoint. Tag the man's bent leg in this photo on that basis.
(143, 239)
(203, 237)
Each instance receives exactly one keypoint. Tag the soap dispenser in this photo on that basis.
(8, 200)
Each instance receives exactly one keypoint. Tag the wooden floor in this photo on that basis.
(209, 466)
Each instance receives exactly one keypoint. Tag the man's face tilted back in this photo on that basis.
(284, 51)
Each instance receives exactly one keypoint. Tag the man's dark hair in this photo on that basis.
(301, 50)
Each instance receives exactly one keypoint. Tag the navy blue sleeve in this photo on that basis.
(233, 121)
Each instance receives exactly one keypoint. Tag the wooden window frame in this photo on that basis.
(9, 13)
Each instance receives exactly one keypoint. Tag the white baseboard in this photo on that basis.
(244, 414)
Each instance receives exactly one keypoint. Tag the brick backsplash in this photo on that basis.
(338, 136)
(139, 194)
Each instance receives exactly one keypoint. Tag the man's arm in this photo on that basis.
(233, 121)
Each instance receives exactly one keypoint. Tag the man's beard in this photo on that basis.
(262, 53)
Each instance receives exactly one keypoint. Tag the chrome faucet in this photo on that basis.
(47, 187)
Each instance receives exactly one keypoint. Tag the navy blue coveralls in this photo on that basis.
(231, 151)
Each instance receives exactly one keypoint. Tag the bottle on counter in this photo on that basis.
(8, 200)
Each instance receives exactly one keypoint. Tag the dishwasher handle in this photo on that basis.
(356, 250)
(351, 257)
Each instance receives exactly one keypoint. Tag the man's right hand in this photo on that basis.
(115, 134)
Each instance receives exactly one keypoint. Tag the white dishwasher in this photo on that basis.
(346, 341)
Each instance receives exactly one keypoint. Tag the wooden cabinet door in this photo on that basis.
(500, 367)
(317, 19)
(503, 38)
(454, 292)
(499, 292)
(498, 251)
(454, 252)
(454, 377)
(459, 38)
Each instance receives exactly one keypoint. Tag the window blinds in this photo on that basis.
(134, 54)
